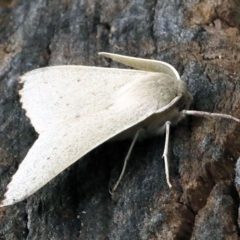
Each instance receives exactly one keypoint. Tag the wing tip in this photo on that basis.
(105, 54)
(101, 53)
(11, 196)
(7, 200)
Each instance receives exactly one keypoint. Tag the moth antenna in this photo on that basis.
(165, 152)
(125, 162)
(208, 114)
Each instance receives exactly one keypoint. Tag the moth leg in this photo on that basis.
(125, 161)
(208, 114)
(165, 152)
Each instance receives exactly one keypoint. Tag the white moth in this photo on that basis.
(76, 108)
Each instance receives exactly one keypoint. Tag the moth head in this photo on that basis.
(189, 99)
(186, 99)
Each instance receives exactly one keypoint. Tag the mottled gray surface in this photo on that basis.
(201, 39)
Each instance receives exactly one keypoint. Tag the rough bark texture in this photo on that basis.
(201, 39)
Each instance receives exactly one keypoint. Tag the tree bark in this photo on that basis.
(201, 40)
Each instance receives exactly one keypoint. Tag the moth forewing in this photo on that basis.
(144, 64)
(55, 95)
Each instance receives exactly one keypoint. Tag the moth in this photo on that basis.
(76, 108)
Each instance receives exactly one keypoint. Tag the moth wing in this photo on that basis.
(58, 94)
(144, 64)
(61, 146)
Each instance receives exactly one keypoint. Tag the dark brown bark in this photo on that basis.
(201, 39)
